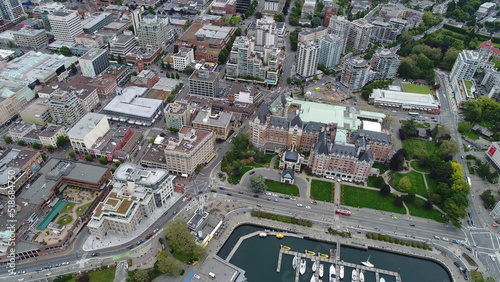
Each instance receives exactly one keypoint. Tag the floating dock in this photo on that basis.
(334, 260)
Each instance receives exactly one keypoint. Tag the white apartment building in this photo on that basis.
(466, 65)
(66, 107)
(31, 38)
(86, 132)
(340, 26)
(330, 50)
(360, 33)
(136, 193)
(152, 33)
(307, 59)
(385, 64)
(65, 25)
(184, 58)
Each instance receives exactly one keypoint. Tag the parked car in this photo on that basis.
(300, 205)
(95, 254)
(252, 172)
(149, 236)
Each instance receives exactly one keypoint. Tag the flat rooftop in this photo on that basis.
(221, 119)
(92, 54)
(131, 103)
(203, 75)
(86, 124)
(405, 98)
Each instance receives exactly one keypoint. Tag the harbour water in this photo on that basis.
(259, 258)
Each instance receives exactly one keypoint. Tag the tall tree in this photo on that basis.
(257, 183)
(404, 184)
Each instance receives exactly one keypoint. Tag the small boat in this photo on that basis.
(302, 267)
(320, 270)
(361, 276)
(280, 236)
(322, 255)
(263, 235)
(333, 275)
(341, 272)
(310, 253)
(294, 262)
(354, 276)
(313, 278)
(314, 266)
(381, 279)
(285, 248)
(367, 263)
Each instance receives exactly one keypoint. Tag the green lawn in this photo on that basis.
(236, 179)
(470, 135)
(83, 209)
(471, 168)
(278, 187)
(415, 166)
(375, 181)
(431, 184)
(68, 219)
(102, 275)
(68, 207)
(417, 181)
(497, 63)
(418, 148)
(321, 190)
(364, 198)
(419, 89)
(381, 167)
(417, 209)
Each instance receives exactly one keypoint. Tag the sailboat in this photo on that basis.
(361, 276)
(367, 263)
(313, 278)
(354, 276)
(381, 279)
(302, 268)
(294, 262)
(320, 270)
(341, 272)
(333, 275)
(314, 267)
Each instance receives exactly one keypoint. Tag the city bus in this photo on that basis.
(413, 114)
(468, 181)
(343, 212)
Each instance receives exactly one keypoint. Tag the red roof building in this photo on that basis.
(489, 47)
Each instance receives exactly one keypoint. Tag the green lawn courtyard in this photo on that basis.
(322, 190)
(365, 198)
(417, 209)
(419, 148)
(68, 207)
(415, 166)
(417, 182)
(278, 187)
(83, 209)
(68, 219)
(419, 89)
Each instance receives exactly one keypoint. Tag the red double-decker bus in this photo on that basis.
(343, 212)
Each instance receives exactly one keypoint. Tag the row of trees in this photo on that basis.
(224, 54)
(285, 219)
(295, 13)
(251, 9)
(367, 89)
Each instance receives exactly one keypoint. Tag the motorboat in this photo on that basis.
(354, 276)
(381, 279)
(310, 253)
(313, 278)
(294, 262)
(302, 268)
(285, 248)
(314, 266)
(341, 272)
(333, 275)
(322, 255)
(263, 235)
(280, 236)
(367, 263)
(320, 270)
(361, 276)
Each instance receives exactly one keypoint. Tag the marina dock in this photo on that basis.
(336, 261)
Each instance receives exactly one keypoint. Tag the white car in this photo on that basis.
(308, 207)
(268, 194)
(275, 195)
(65, 263)
(293, 199)
(300, 205)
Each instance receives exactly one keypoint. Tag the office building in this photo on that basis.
(152, 33)
(356, 73)
(307, 59)
(223, 7)
(66, 106)
(271, 7)
(177, 114)
(122, 44)
(43, 11)
(31, 38)
(37, 112)
(86, 131)
(65, 25)
(136, 16)
(13, 98)
(183, 154)
(242, 5)
(206, 40)
(466, 65)
(11, 10)
(94, 62)
(385, 64)
(204, 83)
(330, 50)
(360, 33)
(96, 21)
(218, 122)
(339, 26)
(184, 58)
(136, 192)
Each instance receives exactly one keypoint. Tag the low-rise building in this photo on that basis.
(183, 59)
(379, 143)
(177, 114)
(86, 131)
(96, 21)
(146, 78)
(13, 99)
(105, 85)
(218, 122)
(204, 83)
(49, 136)
(404, 101)
(31, 38)
(37, 112)
(136, 193)
(122, 44)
